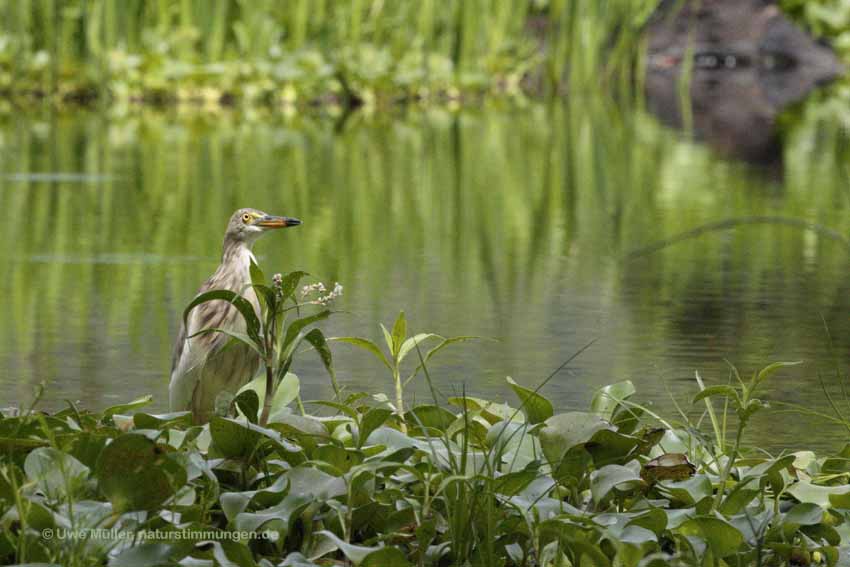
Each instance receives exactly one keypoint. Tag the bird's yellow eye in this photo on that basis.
(246, 218)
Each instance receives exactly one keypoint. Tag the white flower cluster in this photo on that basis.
(323, 296)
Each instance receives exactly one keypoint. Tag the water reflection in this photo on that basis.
(516, 224)
(749, 62)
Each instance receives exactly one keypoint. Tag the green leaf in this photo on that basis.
(126, 408)
(513, 483)
(386, 557)
(286, 393)
(58, 475)
(398, 335)
(248, 404)
(767, 371)
(611, 477)
(355, 553)
(365, 344)
(372, 420)
(295, 328)
(257, 275)
(536, 407)
(232, 437)
(245, 308)
(290, 282)
(606, 399)
(566, 430)
(317, 338)
(443, 344)
(805, 491)
(722, 537)
(412, 342)
(721, 390)
(135, 473)
(804, 514)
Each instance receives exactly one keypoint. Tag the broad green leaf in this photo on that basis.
(566, 430)
(606, 399)
(248, 404)
(806, 492)
(355, 553)
(804, 514)
(373, 419)
(135, 473)
(722, 537)
(286, 393)
(365, 344)
(536, 407)
(57, 474)
(611, 477)
(126, 408)
(386, 557)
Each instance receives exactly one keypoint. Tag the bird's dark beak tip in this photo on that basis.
(291, 222)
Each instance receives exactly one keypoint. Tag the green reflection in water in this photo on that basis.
(513, 223)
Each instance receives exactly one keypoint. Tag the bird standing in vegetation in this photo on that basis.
(201, 367)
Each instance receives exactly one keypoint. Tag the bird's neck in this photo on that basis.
(238, 253)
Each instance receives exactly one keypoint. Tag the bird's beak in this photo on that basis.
(270, 221)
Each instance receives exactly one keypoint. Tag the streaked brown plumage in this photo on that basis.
(201, 368)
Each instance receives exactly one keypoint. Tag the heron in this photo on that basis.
(201, 367)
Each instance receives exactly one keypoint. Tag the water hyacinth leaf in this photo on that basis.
(536, 408)
(280, 518)
(296, 559)
(566, 430)
(806, 492)
(490, 411)
(721, 537)
(160, 420)
(245, 308)
(689, 491)
(606, 399)
(355, 553)
(233, 438)
(514, 483)
(610, 447)
(144, 555)
(611, 477)
(373, 419)
(57, 475)
(135, 473)
(386, 557)
(365, 344)
(804, 514)
(430, 416)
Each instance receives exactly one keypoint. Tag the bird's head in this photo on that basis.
(246, 225)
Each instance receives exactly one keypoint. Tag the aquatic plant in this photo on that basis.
(270, 335)
(474, 482)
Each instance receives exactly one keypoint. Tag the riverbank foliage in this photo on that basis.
(311, 52)
(456, 481)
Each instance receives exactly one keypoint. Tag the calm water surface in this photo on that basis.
(543, 227)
